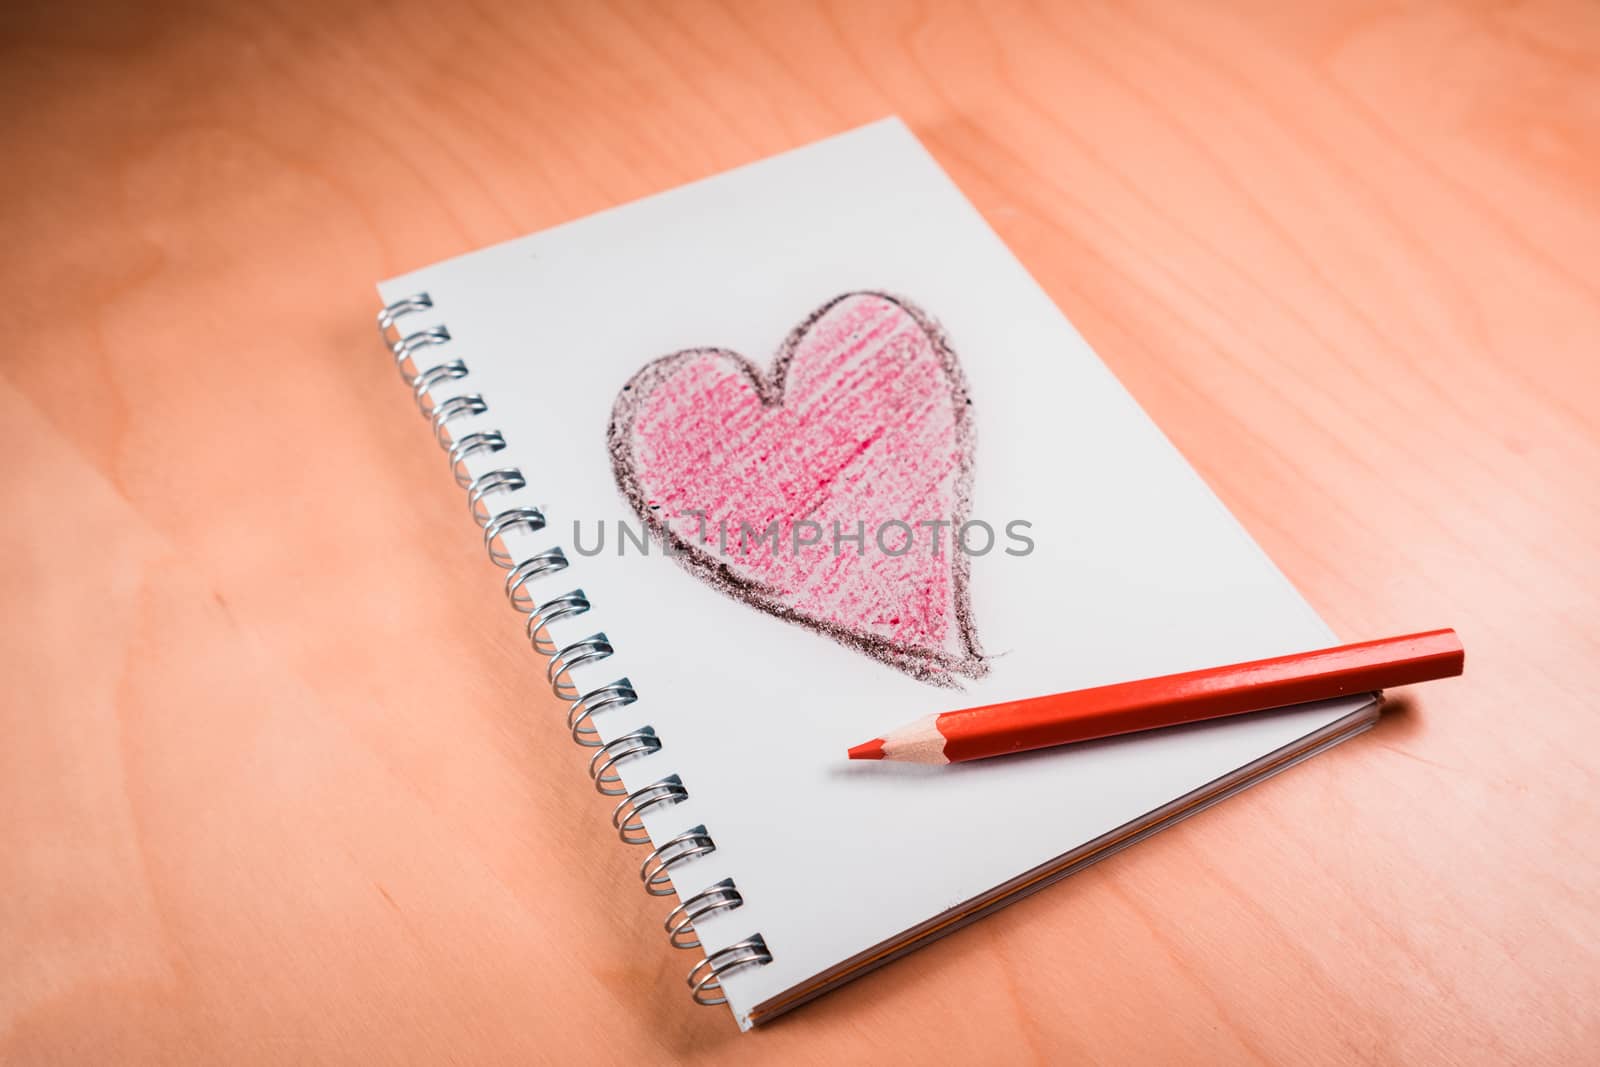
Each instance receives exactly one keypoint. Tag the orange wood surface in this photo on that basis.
(278, 780)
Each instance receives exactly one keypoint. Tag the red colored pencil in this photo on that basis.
(1152, 703)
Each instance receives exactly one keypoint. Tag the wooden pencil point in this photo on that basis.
(868, 749)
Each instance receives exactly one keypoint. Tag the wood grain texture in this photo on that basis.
(277, 780)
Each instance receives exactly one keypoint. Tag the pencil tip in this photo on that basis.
(868, 749)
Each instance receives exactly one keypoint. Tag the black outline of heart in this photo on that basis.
(920, 663)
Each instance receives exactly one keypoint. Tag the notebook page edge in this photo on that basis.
(1349, 726)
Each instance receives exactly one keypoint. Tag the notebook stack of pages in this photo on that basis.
(786, 457)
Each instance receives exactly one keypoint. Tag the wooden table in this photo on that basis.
(277, 783)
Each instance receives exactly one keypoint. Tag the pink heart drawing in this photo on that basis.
(857, 446)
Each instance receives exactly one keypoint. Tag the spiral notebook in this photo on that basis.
(797, 453)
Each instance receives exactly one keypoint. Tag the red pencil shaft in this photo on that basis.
(1152, 703)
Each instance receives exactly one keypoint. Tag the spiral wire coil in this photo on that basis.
(655, 872)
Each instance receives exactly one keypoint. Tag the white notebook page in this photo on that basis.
(1137, 568)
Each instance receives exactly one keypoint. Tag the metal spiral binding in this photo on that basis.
(530, 519)
(405, 350)
(628, 815)
(471, 445)
(590, 649)
(679, 924)
(457, 407)
(502, 480)
(602, 765)
(423, 384)
(705, 979)
(547, 562)
(656, 870)
(387, 317)
(619, 694)
(561, 607)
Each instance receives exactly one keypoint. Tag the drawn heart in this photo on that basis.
(824, 492)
